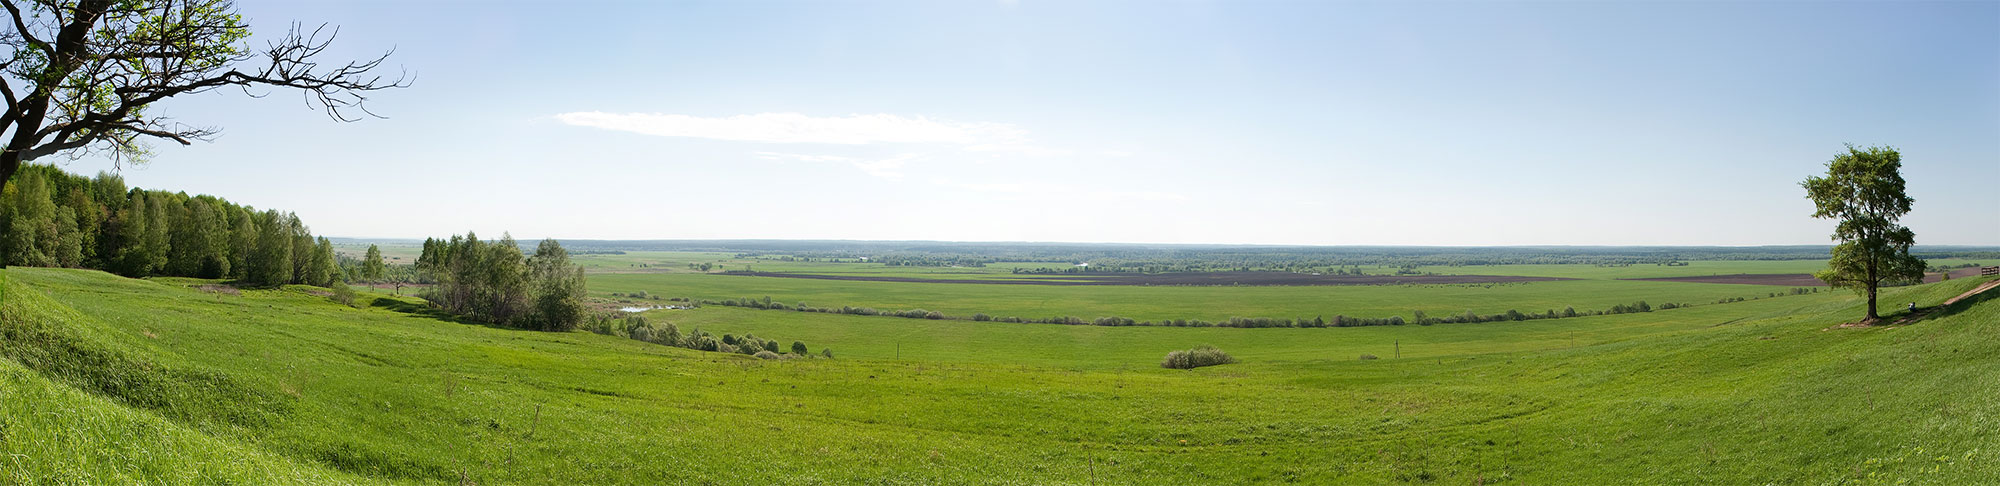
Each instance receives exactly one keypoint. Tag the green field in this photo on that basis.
(1177, 302)
(157, 382)
(1696, 268)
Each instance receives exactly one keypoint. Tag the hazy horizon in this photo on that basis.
(1321, 124)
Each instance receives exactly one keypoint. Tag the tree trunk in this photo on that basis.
(10, 161)
(6, 174)
(1871, 302)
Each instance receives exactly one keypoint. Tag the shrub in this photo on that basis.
(799, 348)
(1366, 357)
(826, 353)
(766, 355)
(343, 294)
(706, 343)
(1197, 357)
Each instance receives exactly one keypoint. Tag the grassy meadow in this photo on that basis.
(1178, 302)
(159, 382)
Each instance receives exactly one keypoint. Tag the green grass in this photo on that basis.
(1754, 392)
(1177, 302)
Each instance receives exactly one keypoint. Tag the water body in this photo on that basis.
(643, 309)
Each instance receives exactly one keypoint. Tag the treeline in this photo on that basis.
(494, 282)
(1420, 318)
(667, 334)
(50, 218)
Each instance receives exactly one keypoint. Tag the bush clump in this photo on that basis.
(1200, 356)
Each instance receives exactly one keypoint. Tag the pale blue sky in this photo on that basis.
(1484, 123)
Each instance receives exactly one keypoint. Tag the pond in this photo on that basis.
(643, 309)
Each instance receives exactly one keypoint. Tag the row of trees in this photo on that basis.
(667, 334)
(50, 218)
(494, 282)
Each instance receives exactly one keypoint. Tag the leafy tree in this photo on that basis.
(321, 269)
(799, 348)
(242, 241)
(271, 262)
(301, 240)
(558, 288)
(371, 265)
(505, 279)
(27, 220)
(1864, 190)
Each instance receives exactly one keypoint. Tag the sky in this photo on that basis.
(1254, 122)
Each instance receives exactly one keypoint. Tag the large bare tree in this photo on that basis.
(82, 73)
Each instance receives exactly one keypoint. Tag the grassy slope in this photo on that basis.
(1660, 397)
(53, 433)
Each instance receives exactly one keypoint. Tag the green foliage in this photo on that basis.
(558, 287)
(55, 219)
(494, 282)
(343, 294)
(1197, 357)
(372, 268)
(321, 270)
(1864, 190)
(271, 258)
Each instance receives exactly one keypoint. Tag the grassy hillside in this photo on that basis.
(111, 380)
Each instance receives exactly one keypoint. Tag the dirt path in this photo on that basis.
(1975, 291)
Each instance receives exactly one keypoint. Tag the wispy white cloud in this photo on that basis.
(889, 168)
(798, 128)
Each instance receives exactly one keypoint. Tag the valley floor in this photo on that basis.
(112, 380)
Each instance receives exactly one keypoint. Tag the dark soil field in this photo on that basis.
(1791, 279)
(1187, 279)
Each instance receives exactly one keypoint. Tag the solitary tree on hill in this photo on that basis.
(1864, 190)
